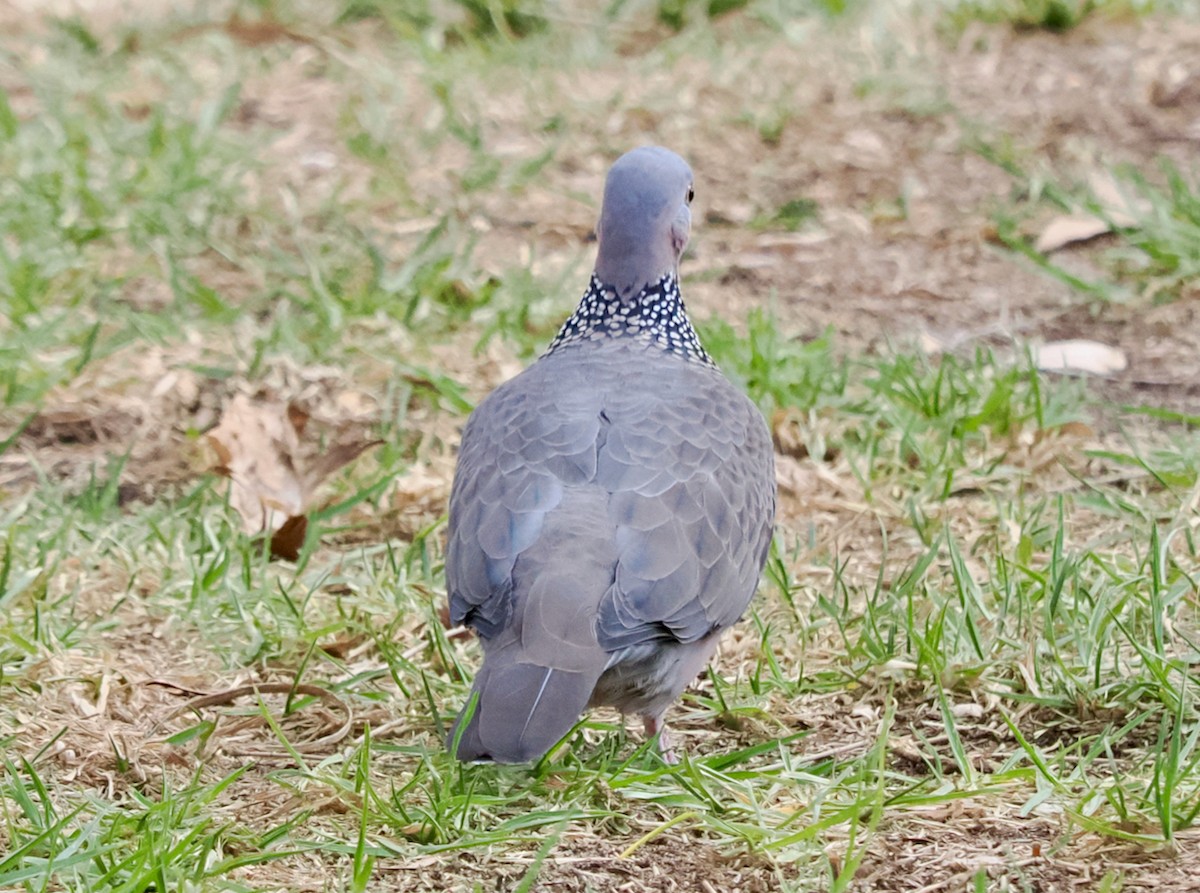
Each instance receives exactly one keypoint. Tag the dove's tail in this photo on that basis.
(517, 711)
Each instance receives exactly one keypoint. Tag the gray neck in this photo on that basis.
(632, 269)
(635, 248)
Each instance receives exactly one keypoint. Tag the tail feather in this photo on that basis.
(522, 710)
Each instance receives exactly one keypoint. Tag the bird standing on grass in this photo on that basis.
(613, 504)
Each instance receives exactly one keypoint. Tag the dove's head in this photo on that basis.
(645, 220)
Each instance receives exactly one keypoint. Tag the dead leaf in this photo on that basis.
(1118, 205)
(788, 436)
(298, 418)
(287, 540)
(331, 460)
(930, 344)
(1080, 355)
(1076, 429)
(1117, 209)
(969, 710)
(1068, 229)
(255, 34)
(257, 445)
(419, 487)
(795, 479)
(272, 483)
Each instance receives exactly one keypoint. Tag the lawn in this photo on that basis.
(332, 228)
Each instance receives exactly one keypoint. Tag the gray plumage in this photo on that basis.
(613, 504)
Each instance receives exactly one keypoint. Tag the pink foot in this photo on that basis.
(654, 725)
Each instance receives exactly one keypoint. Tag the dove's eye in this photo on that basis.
(691, 194)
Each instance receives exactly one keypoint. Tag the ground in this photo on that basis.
(972, 663)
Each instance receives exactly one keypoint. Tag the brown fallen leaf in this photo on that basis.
(336, 456)
(1068, 229)
(1117, 209)
(256, 444)
(787, 433)
(1120, 206)
(1080, 355)
(272, 484)
(248, 32)
(289, 538)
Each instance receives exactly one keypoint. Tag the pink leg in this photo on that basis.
(654, 725)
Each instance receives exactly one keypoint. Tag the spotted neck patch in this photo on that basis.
(656, 316)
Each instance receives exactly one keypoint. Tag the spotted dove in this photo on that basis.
(613, 504)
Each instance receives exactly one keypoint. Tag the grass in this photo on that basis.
(979, 611)
(1154, 214)
(1055, 16)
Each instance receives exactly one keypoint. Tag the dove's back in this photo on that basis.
(610, 516)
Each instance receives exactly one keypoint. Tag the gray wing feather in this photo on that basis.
(504, 487)
(693, 535)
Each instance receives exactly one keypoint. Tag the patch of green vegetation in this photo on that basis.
(777, 371)
(1048, 15)
(1057, 16)
(1054, 16)
(88, 181)
(677, 13)
(942, 421)
(1154, 216)
(1161, 250)
(453, 20)
(680, 14)
(792, 215)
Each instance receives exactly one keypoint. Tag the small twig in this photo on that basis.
(214, 699)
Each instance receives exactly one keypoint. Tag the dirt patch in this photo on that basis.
(1071, 102)
(666, 864)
